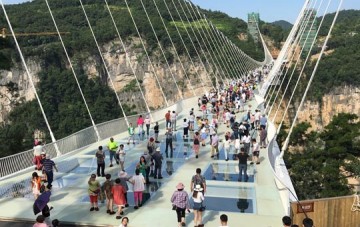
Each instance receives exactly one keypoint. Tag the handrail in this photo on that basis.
(10, 165)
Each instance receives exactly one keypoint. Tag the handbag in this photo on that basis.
(173, 207)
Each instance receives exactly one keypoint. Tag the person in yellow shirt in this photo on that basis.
(112, 147)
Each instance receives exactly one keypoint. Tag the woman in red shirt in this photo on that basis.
(119, 199)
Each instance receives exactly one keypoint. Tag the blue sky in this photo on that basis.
(270, 10)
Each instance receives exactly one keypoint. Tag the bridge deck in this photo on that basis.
(259, 197)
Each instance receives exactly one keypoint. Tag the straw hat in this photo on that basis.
(180, 186)
(198, 188)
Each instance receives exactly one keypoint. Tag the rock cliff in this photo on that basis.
(319, 114)
(152, 77)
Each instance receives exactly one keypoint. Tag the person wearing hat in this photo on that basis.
(180, 202)
(93, 190)
(48, 166)
(124, 178)
(157, 157)
(198, 198)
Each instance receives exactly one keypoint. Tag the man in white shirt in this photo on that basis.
(173, 120)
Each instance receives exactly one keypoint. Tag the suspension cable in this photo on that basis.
(217, 48)
(176, 52)
(191, 40)
(73, 71)
(186, 48)
(306, 60)
(128, 58)
(284, 147)
(277, 64)
(104, 63)
(147, 55)
(298, 59)
(30, 79)
(197, 39)
(161, 49)
(213, 29)
(292, 49)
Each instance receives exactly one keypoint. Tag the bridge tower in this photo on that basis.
(253, 20)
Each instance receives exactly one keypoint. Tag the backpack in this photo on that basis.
(196, 141)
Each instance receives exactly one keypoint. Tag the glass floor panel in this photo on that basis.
(227, 172)
(231, 199)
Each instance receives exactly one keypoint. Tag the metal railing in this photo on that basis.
(23, 161)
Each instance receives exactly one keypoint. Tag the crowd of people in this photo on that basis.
(216, 107)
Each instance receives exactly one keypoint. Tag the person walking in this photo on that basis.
(214, 145)
(198, 179)
(107, 186)
(100, 158)
(168, 142)
(131, 131)
(157, 157)
(180, 202)
(198, 198)
(147, 124)
(35, 184)
(48, 166)
(243, 157)
(121, 156)
(196, 145)
(38, 149)
(246, 140)
(140, 126)
(167, 119)
(138, 182)
(112, 147)
(173, 116)
(93, 190)
(186, 129)
(256, 151)
(156, 132)
(119, 199)
(124, 178)
(263, 137)
(151, 146)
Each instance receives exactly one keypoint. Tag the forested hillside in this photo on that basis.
(321, 162)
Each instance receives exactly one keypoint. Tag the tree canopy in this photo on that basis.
(321, 168)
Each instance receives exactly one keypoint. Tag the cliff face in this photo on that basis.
(341, 99)
(120, 77)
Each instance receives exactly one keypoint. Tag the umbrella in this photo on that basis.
(41, 202)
